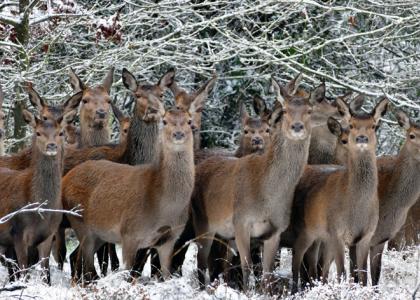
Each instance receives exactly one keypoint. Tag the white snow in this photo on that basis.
(400, 277)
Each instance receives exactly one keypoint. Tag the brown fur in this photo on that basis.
(153, 199)
(94, 111)
(333, 219)
(2, 119)
(238, 198)
(39, 183)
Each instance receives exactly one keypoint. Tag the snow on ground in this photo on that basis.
(400, 277)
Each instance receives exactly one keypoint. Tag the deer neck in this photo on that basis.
(142, 142)
(362, 174)
(405, 181)
(176, 171)
(285, 159)
(197, 140)
(46, 177)
(93, 136)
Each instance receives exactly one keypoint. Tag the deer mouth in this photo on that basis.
(51, 152)
(362, 146)
(301, 135)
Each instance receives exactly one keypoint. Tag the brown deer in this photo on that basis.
(183, 100)
(153, 199)
(94, 111)
(22, 159)
(251, 197)
(323, 142)
(399, 190)
(41, 182)
(341, 208)
(124, 123)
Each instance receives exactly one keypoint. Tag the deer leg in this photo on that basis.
(362, 251)
(243, 240)
(129, 255)
(85, 258)
(21, 250)
(44, 250)
(102, 255)
(376, 262)
(353, 263)
(339, 259)
(271, 246)
(165, 257)
(115, 263)
(311, 259)
(216, 258)
(303, 242)
(59, 247)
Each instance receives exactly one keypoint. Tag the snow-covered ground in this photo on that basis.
(400, 277)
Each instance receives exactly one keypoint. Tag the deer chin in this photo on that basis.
(362, 146)
(51, 153)
(297, 136)
(258, 147)
(99, 123)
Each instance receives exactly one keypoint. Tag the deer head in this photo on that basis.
(295, 111)
(96, 100)
(362, 127)
(123, 120)
(177, 129)
(412, 143)
(148, 97)
(49, 134)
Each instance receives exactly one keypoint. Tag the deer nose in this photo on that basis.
(297, 127)
(257, 141)
(101, 113)
(179, 135)
(362, 139)
(52, 147)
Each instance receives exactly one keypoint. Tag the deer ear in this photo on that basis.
(202, 94)
(293, 84)
(334, 126)
(117, 112)
(280, 91)
(403, 119)
(318, 94)
(29, 118)
(260, 107)
(380, 109)
(277, 114)
(75, 81)
(34, 97)
(129, 80)
(108, 80)
(67, 118)
(357, 103)
(166, 80)
(243, 114)
(175, 89)
(343, 109)
(73, 102)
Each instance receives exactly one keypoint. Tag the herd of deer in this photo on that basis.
(305, 176)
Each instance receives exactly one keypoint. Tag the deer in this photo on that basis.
(124, 123)
(352, 191)
(94, 110)
(21, 160)
(183, 100)
(251, 197)
(399, 191)
(41, 183)
(2, 119)
(153, 198)
(408, 235)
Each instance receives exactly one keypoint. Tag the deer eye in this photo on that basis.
(125, 130)
(344, 142)
(309, 111)
(351, 126)
(85, 101)
(45, 118)
(374, 127)
(246, 131)
(267, 130)
(38, 134)
(61, 133)
(412, 136)
(164, 122)
(189, 122)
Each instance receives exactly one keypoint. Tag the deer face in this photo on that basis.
(148, 97)
(49, 134)
(342, 134)
(412, 143)
(124, 126)
(177, 131)
(256, 133)
(95, 107)
(297, 118)
(362, 127)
